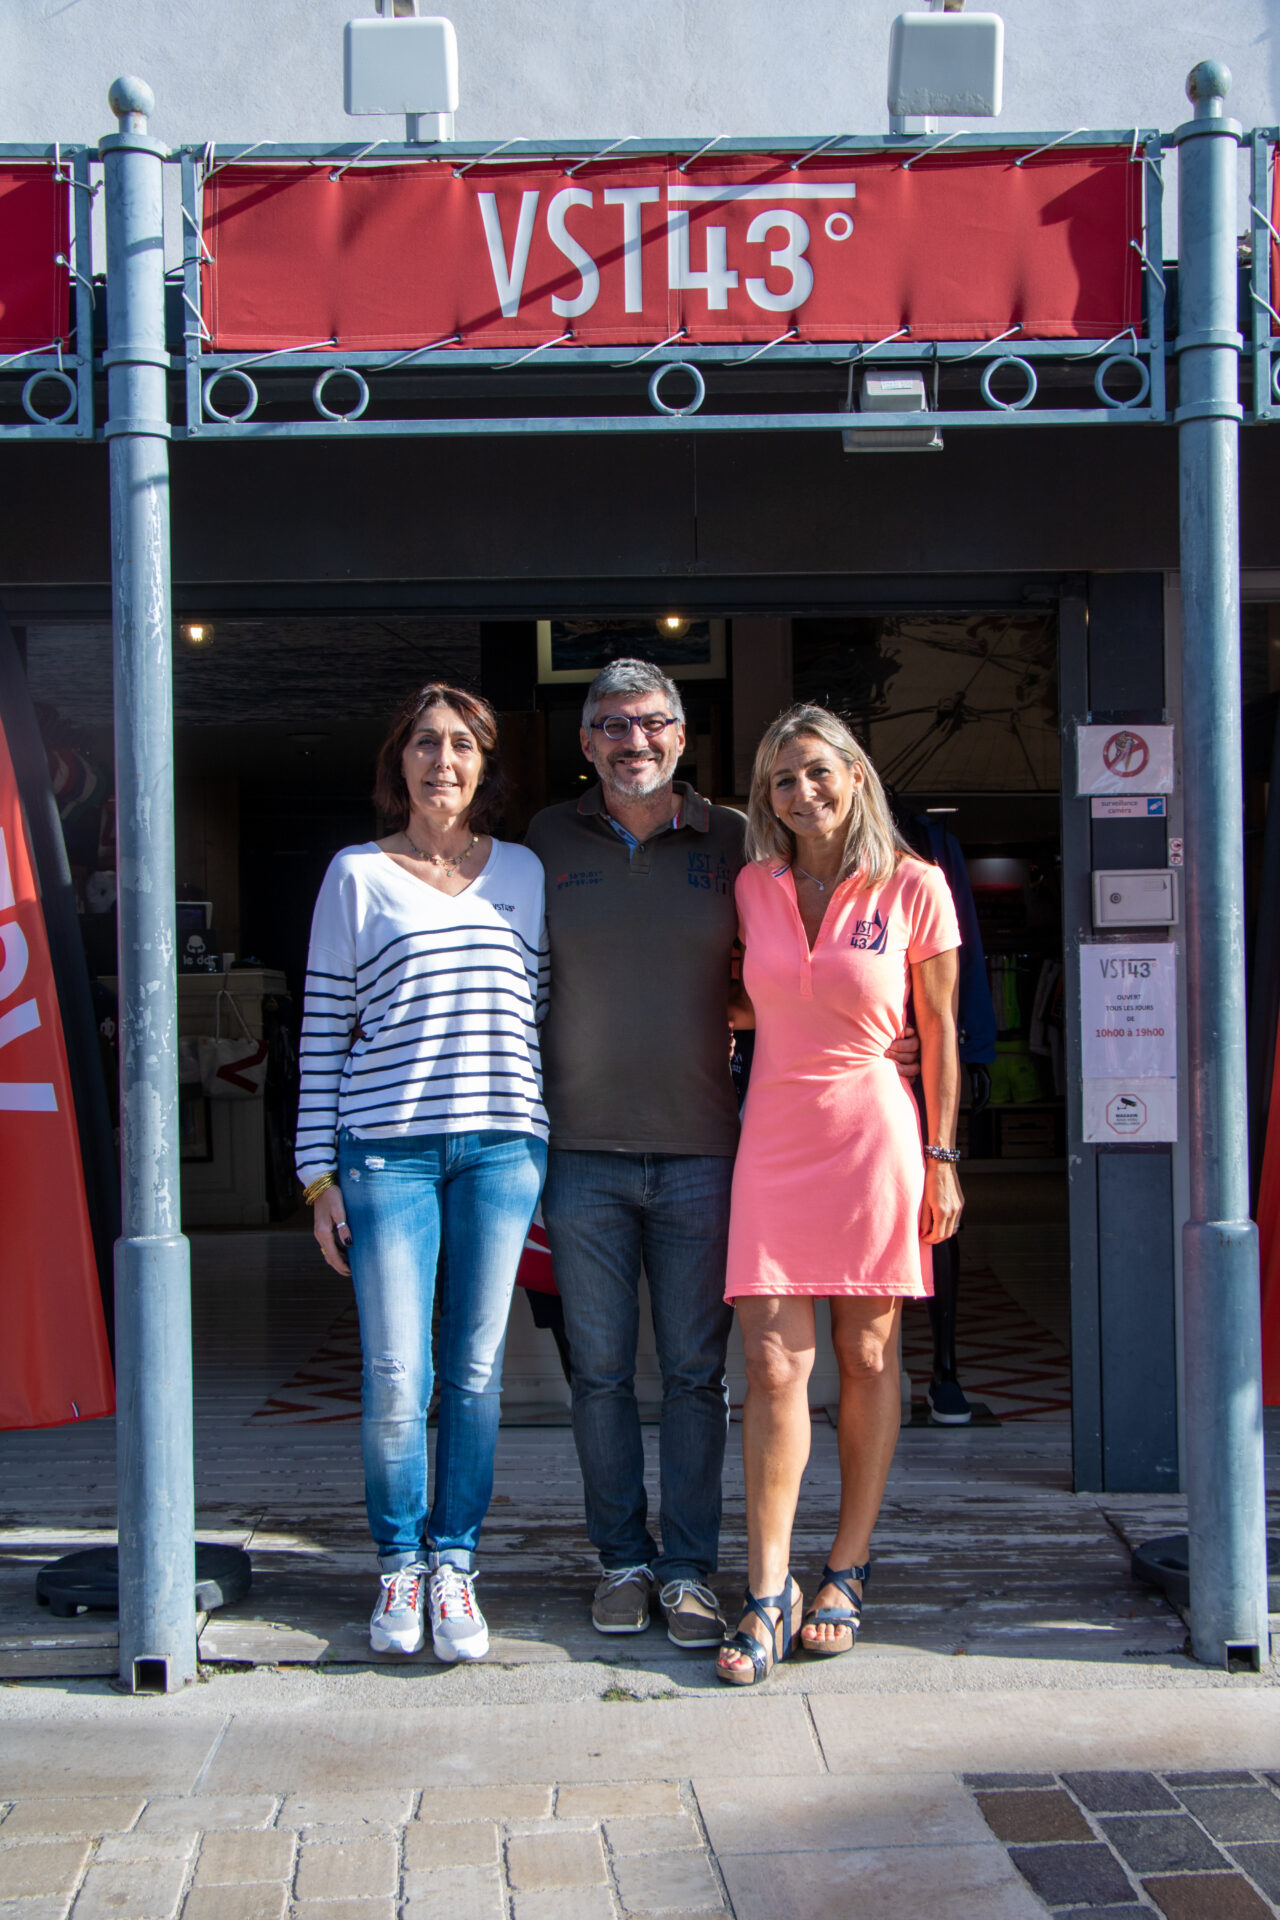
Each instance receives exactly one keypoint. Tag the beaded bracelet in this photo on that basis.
(312, 1193)
(949, 1154)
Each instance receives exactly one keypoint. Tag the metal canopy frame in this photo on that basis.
(276, 374)
(22, 374)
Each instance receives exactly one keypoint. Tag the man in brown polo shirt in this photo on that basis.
(644, 1124)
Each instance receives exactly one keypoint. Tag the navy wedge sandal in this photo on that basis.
(781, 1634)
(850, 1617)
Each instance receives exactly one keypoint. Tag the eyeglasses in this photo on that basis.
(617, 726)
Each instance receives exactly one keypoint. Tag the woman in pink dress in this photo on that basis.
(835, 1194)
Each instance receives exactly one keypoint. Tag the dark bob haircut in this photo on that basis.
(391, 796)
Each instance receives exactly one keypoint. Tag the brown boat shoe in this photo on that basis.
(693, 1617)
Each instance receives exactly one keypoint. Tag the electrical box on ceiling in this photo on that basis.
(947, 64)
(405, 65)
(1142, 897)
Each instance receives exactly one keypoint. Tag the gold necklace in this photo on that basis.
(447, 865)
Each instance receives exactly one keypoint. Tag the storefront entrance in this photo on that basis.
(278, 718)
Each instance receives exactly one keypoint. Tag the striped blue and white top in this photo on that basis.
(442, 995)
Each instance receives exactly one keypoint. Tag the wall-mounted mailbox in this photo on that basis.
(1144, 897)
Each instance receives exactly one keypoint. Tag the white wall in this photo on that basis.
(254, 69)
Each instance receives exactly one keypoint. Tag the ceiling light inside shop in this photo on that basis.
(674, 626)
(196, 633)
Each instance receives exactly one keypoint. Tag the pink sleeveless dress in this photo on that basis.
(829, 1175)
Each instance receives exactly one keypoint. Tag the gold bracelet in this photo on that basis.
(312, 1193)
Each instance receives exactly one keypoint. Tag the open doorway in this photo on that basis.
(959, 713)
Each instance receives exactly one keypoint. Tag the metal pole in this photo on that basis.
(153, 1280)
(1223, 1358)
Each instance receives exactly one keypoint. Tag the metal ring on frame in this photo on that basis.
(331, 413)
(1275, 378)
(677, 366)
(1122, 360)
(993, 367)
(49, 419)
(215, 412)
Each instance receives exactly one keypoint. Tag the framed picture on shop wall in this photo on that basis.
(685, 649)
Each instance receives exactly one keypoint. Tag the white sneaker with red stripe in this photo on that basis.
(459, 1630)
(396, 1626)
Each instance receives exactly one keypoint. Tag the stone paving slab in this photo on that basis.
(471, 1843)
(945, 1883)
(1235, 1812)
(77, 1757)
(1057, 1729)
(41, 1868)
(72, 1815)
(323, 1751)
(150, 1890)
(245, 1902)
(1206, 1897)
(871, 1809)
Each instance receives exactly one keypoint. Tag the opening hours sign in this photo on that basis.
(952, 246)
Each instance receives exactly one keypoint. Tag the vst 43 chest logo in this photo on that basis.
(708, 873)
(870, 936)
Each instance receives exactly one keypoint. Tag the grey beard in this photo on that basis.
(656, 782)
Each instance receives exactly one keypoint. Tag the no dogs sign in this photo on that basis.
(1124, 759)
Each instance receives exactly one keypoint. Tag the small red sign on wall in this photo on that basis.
(34, 230)
(953, 247)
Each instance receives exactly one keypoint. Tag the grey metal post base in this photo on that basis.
(1226, 1508)
(1221, 1312)
(154, 1464)
(153, 1291)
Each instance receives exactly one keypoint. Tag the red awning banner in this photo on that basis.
(54, 1363)
(35, 224)
(956, 246)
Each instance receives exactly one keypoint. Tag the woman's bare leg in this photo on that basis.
(864, 1333)
(778, 1340)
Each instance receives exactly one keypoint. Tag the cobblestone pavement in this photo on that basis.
(1199, 1845)
(533, 1850)
(1191, 1845)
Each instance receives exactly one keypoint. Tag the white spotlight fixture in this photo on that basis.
(196, 633)
(901, 392)
(945, 64)
(403, 63)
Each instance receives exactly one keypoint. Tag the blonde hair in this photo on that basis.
(872, 845)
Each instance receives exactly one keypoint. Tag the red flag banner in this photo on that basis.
(1268, 1217)
(1275, 244)
(35, 226)
(960, 246)
(54, 1364)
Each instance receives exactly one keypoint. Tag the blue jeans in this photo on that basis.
(406, 1198)
(605, 1213)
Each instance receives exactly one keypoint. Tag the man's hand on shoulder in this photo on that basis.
(905, 1053)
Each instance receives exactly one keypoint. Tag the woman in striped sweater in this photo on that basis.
(421, 1132)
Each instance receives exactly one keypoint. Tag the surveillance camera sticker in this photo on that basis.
(1119, 1111)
